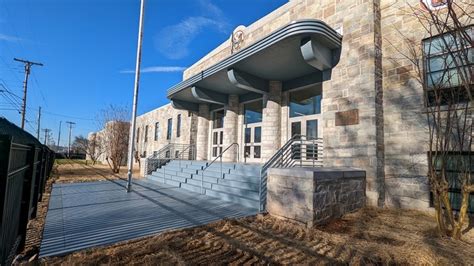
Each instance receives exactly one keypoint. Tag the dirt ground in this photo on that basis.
(369, 236)
(79, 171)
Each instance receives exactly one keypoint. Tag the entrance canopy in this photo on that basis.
(298, 54)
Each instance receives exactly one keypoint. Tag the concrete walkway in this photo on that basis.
(84, 215)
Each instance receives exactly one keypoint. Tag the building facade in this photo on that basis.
(323, 69)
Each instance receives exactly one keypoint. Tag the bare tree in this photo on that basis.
(443, 64)
(114, 120)
(91, 147)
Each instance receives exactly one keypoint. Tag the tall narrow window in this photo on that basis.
(178, 126)
(146, 133)
(138, 135)
(170, 128)
(157, 131)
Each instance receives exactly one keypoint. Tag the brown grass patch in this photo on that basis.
(369, 236)
(72, 172)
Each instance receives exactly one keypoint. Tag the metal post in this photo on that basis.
(135, 97)
(39, 123)
(202, 181)
(59, 135)
(301, 151)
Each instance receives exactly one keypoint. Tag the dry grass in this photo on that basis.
(35, 227)
(74, 172)
(369, 236)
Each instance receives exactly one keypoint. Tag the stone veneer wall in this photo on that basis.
(162, 115)
(314, 195)
(389, 140)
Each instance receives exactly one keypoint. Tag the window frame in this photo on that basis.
(157, 131)
(426, 69)
(178, 126)
(169, 130)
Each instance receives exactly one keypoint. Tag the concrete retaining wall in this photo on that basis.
(315, 195)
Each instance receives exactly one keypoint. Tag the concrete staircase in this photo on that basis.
(238, 183)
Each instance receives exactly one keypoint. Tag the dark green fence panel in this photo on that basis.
(24, 170)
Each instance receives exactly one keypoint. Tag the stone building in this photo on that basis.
(321, 69)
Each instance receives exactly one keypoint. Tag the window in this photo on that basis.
(448, 58)
(306, 101)
(218, 119)
(146, 133)
(178, 126)
(157, 131)
(170, 128)
(253, 112)
(138, 134)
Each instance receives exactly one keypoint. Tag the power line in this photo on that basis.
(28, 65)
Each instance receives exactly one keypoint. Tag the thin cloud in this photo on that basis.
(9, 38)
(156, 69)
(174, 41)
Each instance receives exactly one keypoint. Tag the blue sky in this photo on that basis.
(88, 50)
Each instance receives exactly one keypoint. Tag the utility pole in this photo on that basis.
(39, 123)
(46, 136)
(69, 146)
(28, 65)
(131, 141)
(59, 134)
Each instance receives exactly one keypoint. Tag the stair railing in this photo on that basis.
(190, 149)
(167, 153)
(298, 151)
(215, 159)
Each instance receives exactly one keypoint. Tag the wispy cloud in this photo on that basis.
(9, 38)
(156, 69)
(174, 41)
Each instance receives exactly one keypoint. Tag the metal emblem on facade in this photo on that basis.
(237, 39)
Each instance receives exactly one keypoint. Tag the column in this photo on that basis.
(202, 139)
(271, 120)
(230, 128)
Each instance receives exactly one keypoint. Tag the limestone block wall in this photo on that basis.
(405, 128)
(315, 195)
(161, 115)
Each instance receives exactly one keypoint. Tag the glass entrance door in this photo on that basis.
(252, 132)
(217, 133)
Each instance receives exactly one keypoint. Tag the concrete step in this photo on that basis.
(239, 184)
(208, 179)
(172, 182)
(250, 194)
(210, 172)
(179, 178)
(246, 171)
(233, 198)
(196, 182)
(166, 171)
(242, 178)
(191, 187)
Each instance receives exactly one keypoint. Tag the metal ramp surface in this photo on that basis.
(85, 215)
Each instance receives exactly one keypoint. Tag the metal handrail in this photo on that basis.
(180, 155)
(215, 159)
(292, 154)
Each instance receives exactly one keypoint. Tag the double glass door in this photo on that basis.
(252, 142)
(217, 133)
(252, 131)
(307, 130)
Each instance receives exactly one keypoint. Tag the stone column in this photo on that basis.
(202, 138)
(271, 119)
(230, 128)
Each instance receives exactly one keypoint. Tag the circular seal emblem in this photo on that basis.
(237, 38)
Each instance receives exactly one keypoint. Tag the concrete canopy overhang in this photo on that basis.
(298, 54)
